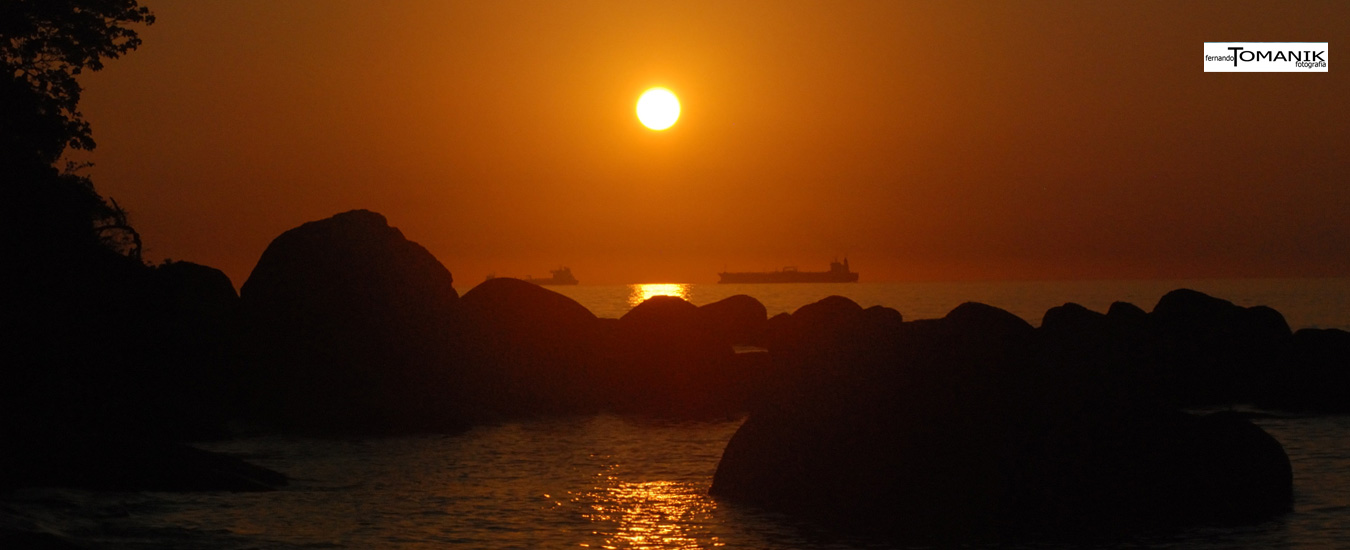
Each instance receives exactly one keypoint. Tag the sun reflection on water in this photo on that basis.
(651, 515)
(641, 292)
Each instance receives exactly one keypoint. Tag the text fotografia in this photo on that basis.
(1265, 57)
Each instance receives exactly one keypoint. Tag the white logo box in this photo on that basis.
(1266, 57)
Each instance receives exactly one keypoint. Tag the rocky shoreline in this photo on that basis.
(975, 422)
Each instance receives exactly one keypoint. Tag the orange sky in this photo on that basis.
(927, 140)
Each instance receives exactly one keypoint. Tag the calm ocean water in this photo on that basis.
(610, 482)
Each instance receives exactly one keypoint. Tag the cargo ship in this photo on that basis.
(560, 276)
(838, 273)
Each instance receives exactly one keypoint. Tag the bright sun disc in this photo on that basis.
(658, 108)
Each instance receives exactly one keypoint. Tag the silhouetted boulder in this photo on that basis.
(1126, 312)
(805, 345)
(1244, 473)
(1214, 352)
(196, 288)
(735, 320)
(1114, 349)
(528, 351)
(1188, 307)
(663, 313)
(193, 386)
(1072, 316)
(991, 335)
(356, 252)
(828, 312)
(1079, 338)
(349, 326)
(662, 359)
(818, 325)
(883, 314)
(1115, 465)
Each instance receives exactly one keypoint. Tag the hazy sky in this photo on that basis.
(926, 140)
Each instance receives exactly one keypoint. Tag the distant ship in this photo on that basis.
(838, 273)
(560, 276)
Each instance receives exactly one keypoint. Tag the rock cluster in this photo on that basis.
(980, 423)
(351, 327)
(974, 423)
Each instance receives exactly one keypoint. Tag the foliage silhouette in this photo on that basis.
(106, 360)
(49, 214)
(44, 46)
(96, 341)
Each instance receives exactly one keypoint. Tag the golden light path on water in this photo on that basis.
(650, 515)
(641, 292)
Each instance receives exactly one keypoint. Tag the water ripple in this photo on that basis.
(598, 482)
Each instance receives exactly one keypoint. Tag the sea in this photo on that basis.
(614, 482)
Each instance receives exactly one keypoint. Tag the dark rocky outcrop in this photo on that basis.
(103, 343)
(348, 328)
(1125, 466)
(198, 388)
(1127, 312)
(527, 351)
(819, 325)
(736, 320)
(1213, 352)
(979, 424)
(107, 363)
(123, 360)
(1194, 350)
(662, 359)
(197, 289)
(1115, 349)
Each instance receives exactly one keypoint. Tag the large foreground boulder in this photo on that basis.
(348, 326)
(972, 425)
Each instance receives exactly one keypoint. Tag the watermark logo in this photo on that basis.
(1265, 57)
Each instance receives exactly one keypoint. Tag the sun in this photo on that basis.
(658, 108)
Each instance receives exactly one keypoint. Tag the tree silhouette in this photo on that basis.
(44, 46)
(49, 214)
